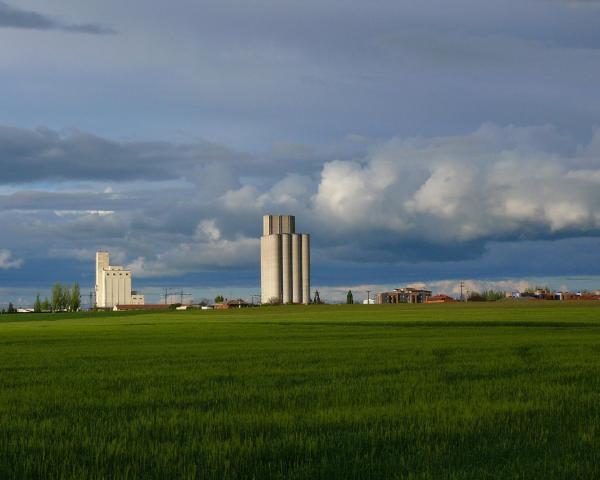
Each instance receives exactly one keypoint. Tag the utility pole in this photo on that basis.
(166, 295)
(258, 296)
(368, 297)
(181, 295)
(462, 284)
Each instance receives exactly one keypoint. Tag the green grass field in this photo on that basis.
(504, 390)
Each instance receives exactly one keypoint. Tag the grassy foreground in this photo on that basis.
(428, 391)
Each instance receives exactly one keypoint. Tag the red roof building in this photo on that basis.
(440, 299)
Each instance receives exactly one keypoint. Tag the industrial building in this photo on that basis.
(113, 284)
(284, 261)
(404, 295)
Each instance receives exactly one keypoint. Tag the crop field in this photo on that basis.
(495, 390)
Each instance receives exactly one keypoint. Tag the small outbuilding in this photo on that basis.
(227, 304)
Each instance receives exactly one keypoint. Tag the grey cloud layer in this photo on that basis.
(407, 199)
(17, 18)
(255, 73)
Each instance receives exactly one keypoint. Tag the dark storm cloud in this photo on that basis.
(44, 154)
(13, 17)
(39, 200)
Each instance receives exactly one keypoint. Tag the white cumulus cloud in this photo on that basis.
(7, 261)
(495, 182)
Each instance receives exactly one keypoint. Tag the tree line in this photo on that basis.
(486, 296)
(64, 299)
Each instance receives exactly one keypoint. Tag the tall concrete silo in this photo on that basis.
(286, 268)
(285, 261)
(296, 268)
(288, 224)
(270, 268)
(102, 262)
(305, 268)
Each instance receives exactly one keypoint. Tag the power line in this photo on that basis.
(169, 293)
(182, 294)
(165, 295)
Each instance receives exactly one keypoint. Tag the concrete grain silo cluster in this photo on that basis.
(284, 261)
(113, 284)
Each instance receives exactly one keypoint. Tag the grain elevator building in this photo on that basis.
(113, 284)
(284, 261)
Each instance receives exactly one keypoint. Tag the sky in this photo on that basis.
(417, 142)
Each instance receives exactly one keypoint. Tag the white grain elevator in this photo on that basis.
(284, 261)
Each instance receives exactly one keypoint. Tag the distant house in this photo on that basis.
(404, 295)
(580, 296)
(589, 296)
(227, 304)
(543, 294)
(567, 296)
(441, 299)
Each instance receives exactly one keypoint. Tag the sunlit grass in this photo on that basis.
(442, 391)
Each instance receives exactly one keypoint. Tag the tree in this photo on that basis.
(349, 298)
(274, 301)
(57, 297)
(37, 306)
(219, 299)
(75, 297)
(492, 295)
(476, 297)
(45, 305)
(65, 298)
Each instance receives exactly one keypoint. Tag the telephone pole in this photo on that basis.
(166, 295)
(92, 297)
(181, 295)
